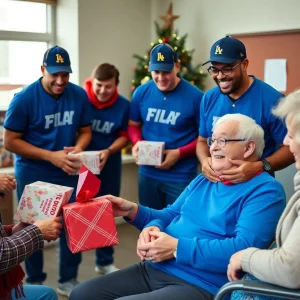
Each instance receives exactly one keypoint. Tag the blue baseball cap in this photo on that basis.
(227, 50)
(56, 59)
(162, 58)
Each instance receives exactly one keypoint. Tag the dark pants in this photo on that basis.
(138, 282)
(158, 194)
(68, 262)
(110, 178)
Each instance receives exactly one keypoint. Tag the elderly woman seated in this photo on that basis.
(280, 265)
(185, 248)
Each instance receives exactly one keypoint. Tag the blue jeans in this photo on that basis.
(110, 178)
(37, 292)
(68, 262)
(158, 194)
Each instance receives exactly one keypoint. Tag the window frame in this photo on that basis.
(48, 37)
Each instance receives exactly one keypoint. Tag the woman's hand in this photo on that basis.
(235, 266)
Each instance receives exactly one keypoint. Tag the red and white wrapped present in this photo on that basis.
(41, 200)
(89, 221)
(150, 153)
(90, 159)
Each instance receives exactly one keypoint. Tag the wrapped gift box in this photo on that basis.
(90, 159)
(90, 225)
(150, 153)
(41, 200)
(89, 221)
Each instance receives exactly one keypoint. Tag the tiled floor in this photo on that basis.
(125, 254)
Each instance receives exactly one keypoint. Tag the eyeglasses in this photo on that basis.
(221, 141)
(225, 71)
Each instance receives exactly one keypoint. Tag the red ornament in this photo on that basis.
(134, 69)
(165, 40)
(132, 88)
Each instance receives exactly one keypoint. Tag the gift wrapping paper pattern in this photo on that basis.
(41, 200)
(90, 225)
(150, 153)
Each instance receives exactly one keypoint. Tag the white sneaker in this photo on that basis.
(106, 269)
(66, 288)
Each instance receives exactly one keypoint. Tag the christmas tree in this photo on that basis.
(166, 34)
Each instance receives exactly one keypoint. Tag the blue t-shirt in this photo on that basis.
(256, 103)
(107, 122)
(46, 123)
(170, 117)
(212, 221)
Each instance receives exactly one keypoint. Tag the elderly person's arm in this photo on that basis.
(278, 266)
(141, 216)
(20, 241)
(15, 248)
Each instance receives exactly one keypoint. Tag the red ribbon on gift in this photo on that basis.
(88, 185)
(89, 221)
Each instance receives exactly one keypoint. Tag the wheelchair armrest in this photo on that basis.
(256, 287)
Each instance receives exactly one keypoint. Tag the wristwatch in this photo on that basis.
(266, 165)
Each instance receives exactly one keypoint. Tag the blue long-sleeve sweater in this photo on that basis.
(212, 221)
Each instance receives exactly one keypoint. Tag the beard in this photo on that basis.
(236, 85)
(231, 91)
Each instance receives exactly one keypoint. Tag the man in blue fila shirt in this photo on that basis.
(110, 113)
(239, 93)
(166, 109)
(44, 122)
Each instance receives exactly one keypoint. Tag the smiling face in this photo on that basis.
(293, 141)
(54, 84)
(166, 81)
(230, 84)
(104, 89)
(232, 150)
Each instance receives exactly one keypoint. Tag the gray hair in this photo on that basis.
(288, 109)
(246, 129)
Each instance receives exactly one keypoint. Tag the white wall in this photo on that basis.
(95, 31)
(67, 33)
(112, 31)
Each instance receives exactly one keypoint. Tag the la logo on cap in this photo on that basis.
(218, 50)
(59, 59)
(241, 54)
(160, 57)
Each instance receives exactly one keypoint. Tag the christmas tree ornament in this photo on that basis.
(169, 18)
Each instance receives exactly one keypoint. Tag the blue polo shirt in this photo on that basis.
(257, 103)
(170, 117)
(107, 122)
(46, 123)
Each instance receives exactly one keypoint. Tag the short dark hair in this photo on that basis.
(106, 71)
